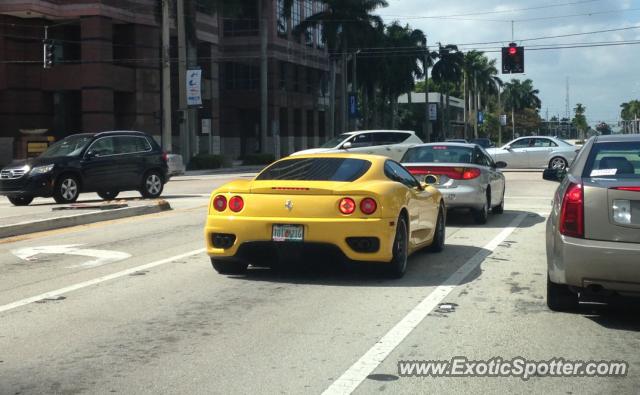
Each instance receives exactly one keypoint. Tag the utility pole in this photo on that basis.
(427, 118)
(264, 68)
(354, 84)
(182, 84)
(475, 92)
(500, 115)
(166, 80)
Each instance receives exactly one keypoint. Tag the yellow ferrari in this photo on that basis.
(362, 207)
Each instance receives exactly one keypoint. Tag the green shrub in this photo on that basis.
(206, 161)
(257, 159)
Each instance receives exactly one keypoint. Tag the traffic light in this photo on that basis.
(48, 56)
(512, 59)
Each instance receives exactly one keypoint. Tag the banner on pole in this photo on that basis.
(194, 87)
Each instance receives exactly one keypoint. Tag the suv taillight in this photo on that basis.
(572, 212)
(165, 156)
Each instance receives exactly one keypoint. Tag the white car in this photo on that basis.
(535, 152)
(391, 143)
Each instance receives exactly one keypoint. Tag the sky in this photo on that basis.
(601, 78)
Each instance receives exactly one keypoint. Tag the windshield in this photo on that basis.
(70, 146)
(614, 160)
(438, 154)
(316, 169)
(332, 143)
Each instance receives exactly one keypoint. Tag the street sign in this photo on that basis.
(194, 87)
(503, 120)
(433, 112)
(206, 126)
(480, 117)
(102, 257)
(353, 106)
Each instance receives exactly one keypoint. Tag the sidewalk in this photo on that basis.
(225, 170)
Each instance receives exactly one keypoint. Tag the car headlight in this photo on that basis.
(41, 169)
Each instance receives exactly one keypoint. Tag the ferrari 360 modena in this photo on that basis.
(360, 207)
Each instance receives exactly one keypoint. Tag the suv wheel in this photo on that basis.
(499, 209)
(20, 200)
(151, 185)
(108, 195)
(66, 189)
(560, 297)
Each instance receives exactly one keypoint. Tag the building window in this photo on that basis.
(241, 19)
(296, 78)
(282, 21)
(309, 32)
(297, 16)
(239, 76)
(282, 80)
(310, 80)
(319, 31)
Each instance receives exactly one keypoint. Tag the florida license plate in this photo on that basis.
(287, 233)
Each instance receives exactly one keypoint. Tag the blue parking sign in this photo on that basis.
(353, 106)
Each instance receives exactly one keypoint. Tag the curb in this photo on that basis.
(43, 225)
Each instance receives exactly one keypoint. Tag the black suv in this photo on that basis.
(106, 163)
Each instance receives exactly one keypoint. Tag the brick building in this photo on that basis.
(107, 73)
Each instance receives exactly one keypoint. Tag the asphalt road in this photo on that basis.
(133, 306)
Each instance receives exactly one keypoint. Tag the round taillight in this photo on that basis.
(236, 204)
(220, 203)
(368, 206)
(347, 206)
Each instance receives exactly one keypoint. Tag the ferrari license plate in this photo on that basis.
(287, 233)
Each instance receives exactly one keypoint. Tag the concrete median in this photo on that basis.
(56, 219)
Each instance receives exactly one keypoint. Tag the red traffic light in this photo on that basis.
(513, 51)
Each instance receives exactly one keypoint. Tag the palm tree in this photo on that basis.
(579, 120)
(448, 70)
(519, 96)
(401, 71)
(344, 23)
(630, 113)
(482, 76)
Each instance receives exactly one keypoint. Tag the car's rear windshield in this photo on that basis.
(438, 154)
(614, 160)
(316, 169)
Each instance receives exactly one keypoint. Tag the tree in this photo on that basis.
(344, 25)
(448, 71)
(580, 120)
(481, 77)
(630, 110)
(400, 72)
(519, 96)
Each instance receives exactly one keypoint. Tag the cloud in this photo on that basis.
(601, 78)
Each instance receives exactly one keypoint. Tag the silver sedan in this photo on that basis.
(593, 232)
(535, 152)
(465, 174)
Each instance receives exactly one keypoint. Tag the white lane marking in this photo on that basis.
(103, 257)
(84, 284)
(363, 367)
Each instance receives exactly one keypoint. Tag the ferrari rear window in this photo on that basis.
(316, 169)
(441, 153)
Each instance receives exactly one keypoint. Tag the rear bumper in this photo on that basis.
(464, 196)
(320, 231)
(40, 186)
(582, 263)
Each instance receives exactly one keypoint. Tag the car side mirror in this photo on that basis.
(90, 154)
(500, 164)
(507, 147)
(346, 145)
(423, 185)
(554, 174)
